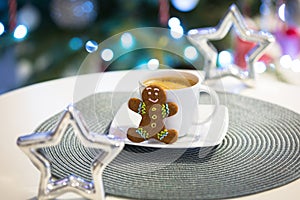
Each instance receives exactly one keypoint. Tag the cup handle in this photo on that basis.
(215, 99)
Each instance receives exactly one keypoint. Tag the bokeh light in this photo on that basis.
(173, 22)
(281, 12)
(29, 16)
(190, 53)
(260, 67)
(296, 65)
(107, 54)
(83, 8)
(127, 40)
(184, 5)
(75, 43)
(153, 64)
(91, 46)
(20, 32)
(2, 29)
(225, 58)
(286, 61)
(176, 32)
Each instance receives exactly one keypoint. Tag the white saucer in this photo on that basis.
(208, 134)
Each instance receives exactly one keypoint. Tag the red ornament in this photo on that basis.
(240, 51)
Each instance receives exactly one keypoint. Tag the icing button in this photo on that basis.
(153, 125)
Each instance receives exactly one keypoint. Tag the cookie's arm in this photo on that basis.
(173, 108)
(133, 104)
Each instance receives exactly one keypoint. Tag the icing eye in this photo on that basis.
(156, 93)
(149, 93)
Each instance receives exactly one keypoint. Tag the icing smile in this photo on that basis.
(153, 101)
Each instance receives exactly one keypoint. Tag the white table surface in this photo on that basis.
(24, 109)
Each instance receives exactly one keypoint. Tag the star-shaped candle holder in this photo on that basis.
(233, 18)
(50, 187)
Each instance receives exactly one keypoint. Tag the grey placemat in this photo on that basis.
(260, 152)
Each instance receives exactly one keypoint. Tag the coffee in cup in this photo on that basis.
(170, 82)
(184, 89)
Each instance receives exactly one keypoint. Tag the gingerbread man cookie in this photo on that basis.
(153, 108)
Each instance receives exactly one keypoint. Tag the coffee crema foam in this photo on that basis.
(170, 83)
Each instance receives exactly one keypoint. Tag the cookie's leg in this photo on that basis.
(133, 136)
(167, 136)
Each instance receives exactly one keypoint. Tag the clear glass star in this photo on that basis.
(233, 18)
(50, 187)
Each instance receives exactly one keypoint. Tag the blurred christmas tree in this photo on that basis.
(51, 44)
(45, 40)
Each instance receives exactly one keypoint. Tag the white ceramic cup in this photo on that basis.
(187, 99)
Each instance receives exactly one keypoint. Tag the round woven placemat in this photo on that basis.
(260, 152)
